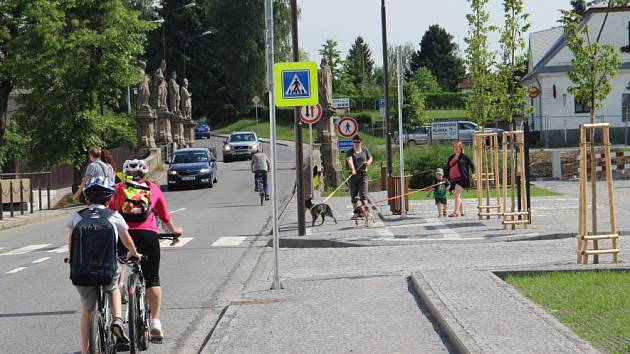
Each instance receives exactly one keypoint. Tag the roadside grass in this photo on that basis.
(594, 304)
(447, 114)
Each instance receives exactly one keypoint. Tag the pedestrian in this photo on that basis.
(439, 189)
(112, 168)
(458, 170)
(358, 159)
(95, 168)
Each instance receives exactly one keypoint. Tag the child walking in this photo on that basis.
(441, 186)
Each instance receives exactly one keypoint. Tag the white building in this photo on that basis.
(556, 113)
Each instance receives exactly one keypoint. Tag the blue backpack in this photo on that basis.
(93, 248)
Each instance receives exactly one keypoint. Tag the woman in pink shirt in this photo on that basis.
(145, 232)
(457, 170)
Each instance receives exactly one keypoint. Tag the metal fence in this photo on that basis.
(12, 184)
(562, 131)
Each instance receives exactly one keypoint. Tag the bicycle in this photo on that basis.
(261, 189)
(138, 309)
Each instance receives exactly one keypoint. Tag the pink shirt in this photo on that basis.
(454, 173)
(158, 206)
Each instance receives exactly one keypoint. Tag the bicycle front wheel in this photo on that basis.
(96, 344)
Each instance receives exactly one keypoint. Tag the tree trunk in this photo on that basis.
(5, 89)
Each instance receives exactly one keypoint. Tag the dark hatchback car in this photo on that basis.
(202, 130)
(192, 167)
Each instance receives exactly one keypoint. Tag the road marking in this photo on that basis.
(61, 249)
(40, 260)
(25, 249)
(445, 230)
(309, 231)
(228, 241)
(177, 211)
(13, 271)
(182, 241)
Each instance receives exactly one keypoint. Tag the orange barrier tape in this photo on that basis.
(408, 193)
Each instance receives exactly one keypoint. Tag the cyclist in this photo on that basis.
(260, 167)
(145, 233)
(97, 192)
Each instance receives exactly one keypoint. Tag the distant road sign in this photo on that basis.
(255, 100)
(311, 114)
(381, 107)
(533, 92)
(344, 144)
(444, 131)
(296, 84)
(347, 127)
(338, 103)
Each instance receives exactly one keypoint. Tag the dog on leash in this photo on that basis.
(363, 212)
(318, 210)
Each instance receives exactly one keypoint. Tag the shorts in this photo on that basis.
(359, 187)
(440, 201)
(462, 182)
(89, 294)
(148, 244)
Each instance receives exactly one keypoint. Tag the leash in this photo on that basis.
(409, 193)
(338, 188)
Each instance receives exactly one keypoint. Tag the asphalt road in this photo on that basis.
(225, 230)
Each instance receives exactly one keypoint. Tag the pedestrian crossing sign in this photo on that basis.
(296, 84)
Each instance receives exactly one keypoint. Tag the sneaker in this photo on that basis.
(256, 189)
(119, 331)
(156, 331)
(266, 196)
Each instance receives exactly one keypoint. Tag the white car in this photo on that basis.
(419, 135)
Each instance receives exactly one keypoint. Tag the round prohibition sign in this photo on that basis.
(347, 127)
(311, 114)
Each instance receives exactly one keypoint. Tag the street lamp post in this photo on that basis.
(163, 20)
(186, 44)
(388, 132)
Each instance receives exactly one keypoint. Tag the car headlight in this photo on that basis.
(254, 147)
(172, 173)
(204, 171)
(227, 148)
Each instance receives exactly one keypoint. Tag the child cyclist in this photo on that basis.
(141, 202)
(440, 187)
(98, 191)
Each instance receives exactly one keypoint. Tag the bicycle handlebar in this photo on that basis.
(170, 236)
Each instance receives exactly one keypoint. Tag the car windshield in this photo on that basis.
(190, 157)
(235, 138)
(202, 126)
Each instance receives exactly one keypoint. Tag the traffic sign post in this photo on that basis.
(255, 101)
(347, 127)
(311, 115)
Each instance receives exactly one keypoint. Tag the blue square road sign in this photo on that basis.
(296, 84)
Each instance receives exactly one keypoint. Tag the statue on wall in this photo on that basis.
(142, 101)
(173, 88)
(162, 87)
(325, 84)
(186, 97)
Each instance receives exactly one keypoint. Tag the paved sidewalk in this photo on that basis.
(345, 298)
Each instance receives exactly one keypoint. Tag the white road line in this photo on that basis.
(177, 211)
(229, 241)
(61, 249)
(443, 229)
(1, 248)
(13, 271)
(182, 241)
(309, 231)
(40, 260)
(25, 249)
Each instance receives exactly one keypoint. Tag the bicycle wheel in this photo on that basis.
(96, 333)
(133, 321)
(145, 318)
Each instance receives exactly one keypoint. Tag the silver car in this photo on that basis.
(467, 129)
(419, 135)
(240, 145)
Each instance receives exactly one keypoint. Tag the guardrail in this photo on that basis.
(16, 184)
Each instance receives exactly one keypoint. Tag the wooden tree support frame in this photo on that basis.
(517, 212)
(583, 235)
(486, 160)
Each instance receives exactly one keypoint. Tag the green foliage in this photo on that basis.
(413, 106)
(363, 118)
(511, 97)
(425, 81)
(593, 65)
(358, 76)
(579, 6)
(480, 61)
(446, 100)
(333, 55)
(438, 53)
(15, 144)
(422, 162)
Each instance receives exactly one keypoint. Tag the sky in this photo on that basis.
(407, 20)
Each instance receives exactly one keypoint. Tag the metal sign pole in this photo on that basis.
(310, 140)
(272, 128)
(256, 116)
(403, 212)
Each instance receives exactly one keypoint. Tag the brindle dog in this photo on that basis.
(318, 210)
(363, 212)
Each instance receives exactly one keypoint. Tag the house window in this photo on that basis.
(625, 107)
(581, 108)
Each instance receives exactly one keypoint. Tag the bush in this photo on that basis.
(363, 118)
(423, 161)
(445, 100)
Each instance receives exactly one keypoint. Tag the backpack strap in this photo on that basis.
(102, 212)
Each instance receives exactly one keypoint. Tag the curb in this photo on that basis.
(459, 338)
(215, 337)
(32, 219)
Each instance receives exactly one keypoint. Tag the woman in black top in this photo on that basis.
(457, 170)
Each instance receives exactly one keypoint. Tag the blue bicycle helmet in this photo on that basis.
(98, 189)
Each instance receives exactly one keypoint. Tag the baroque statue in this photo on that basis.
(173, 89)
(142, 101)
(161, 85)
(325, 84)
(186, 98)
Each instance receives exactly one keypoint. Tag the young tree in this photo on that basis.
(425, 81)
(438, 53)
(359, 66)
(594, 64)
(333, 55)
(480, 61)
(579, 6)
(511, 99)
